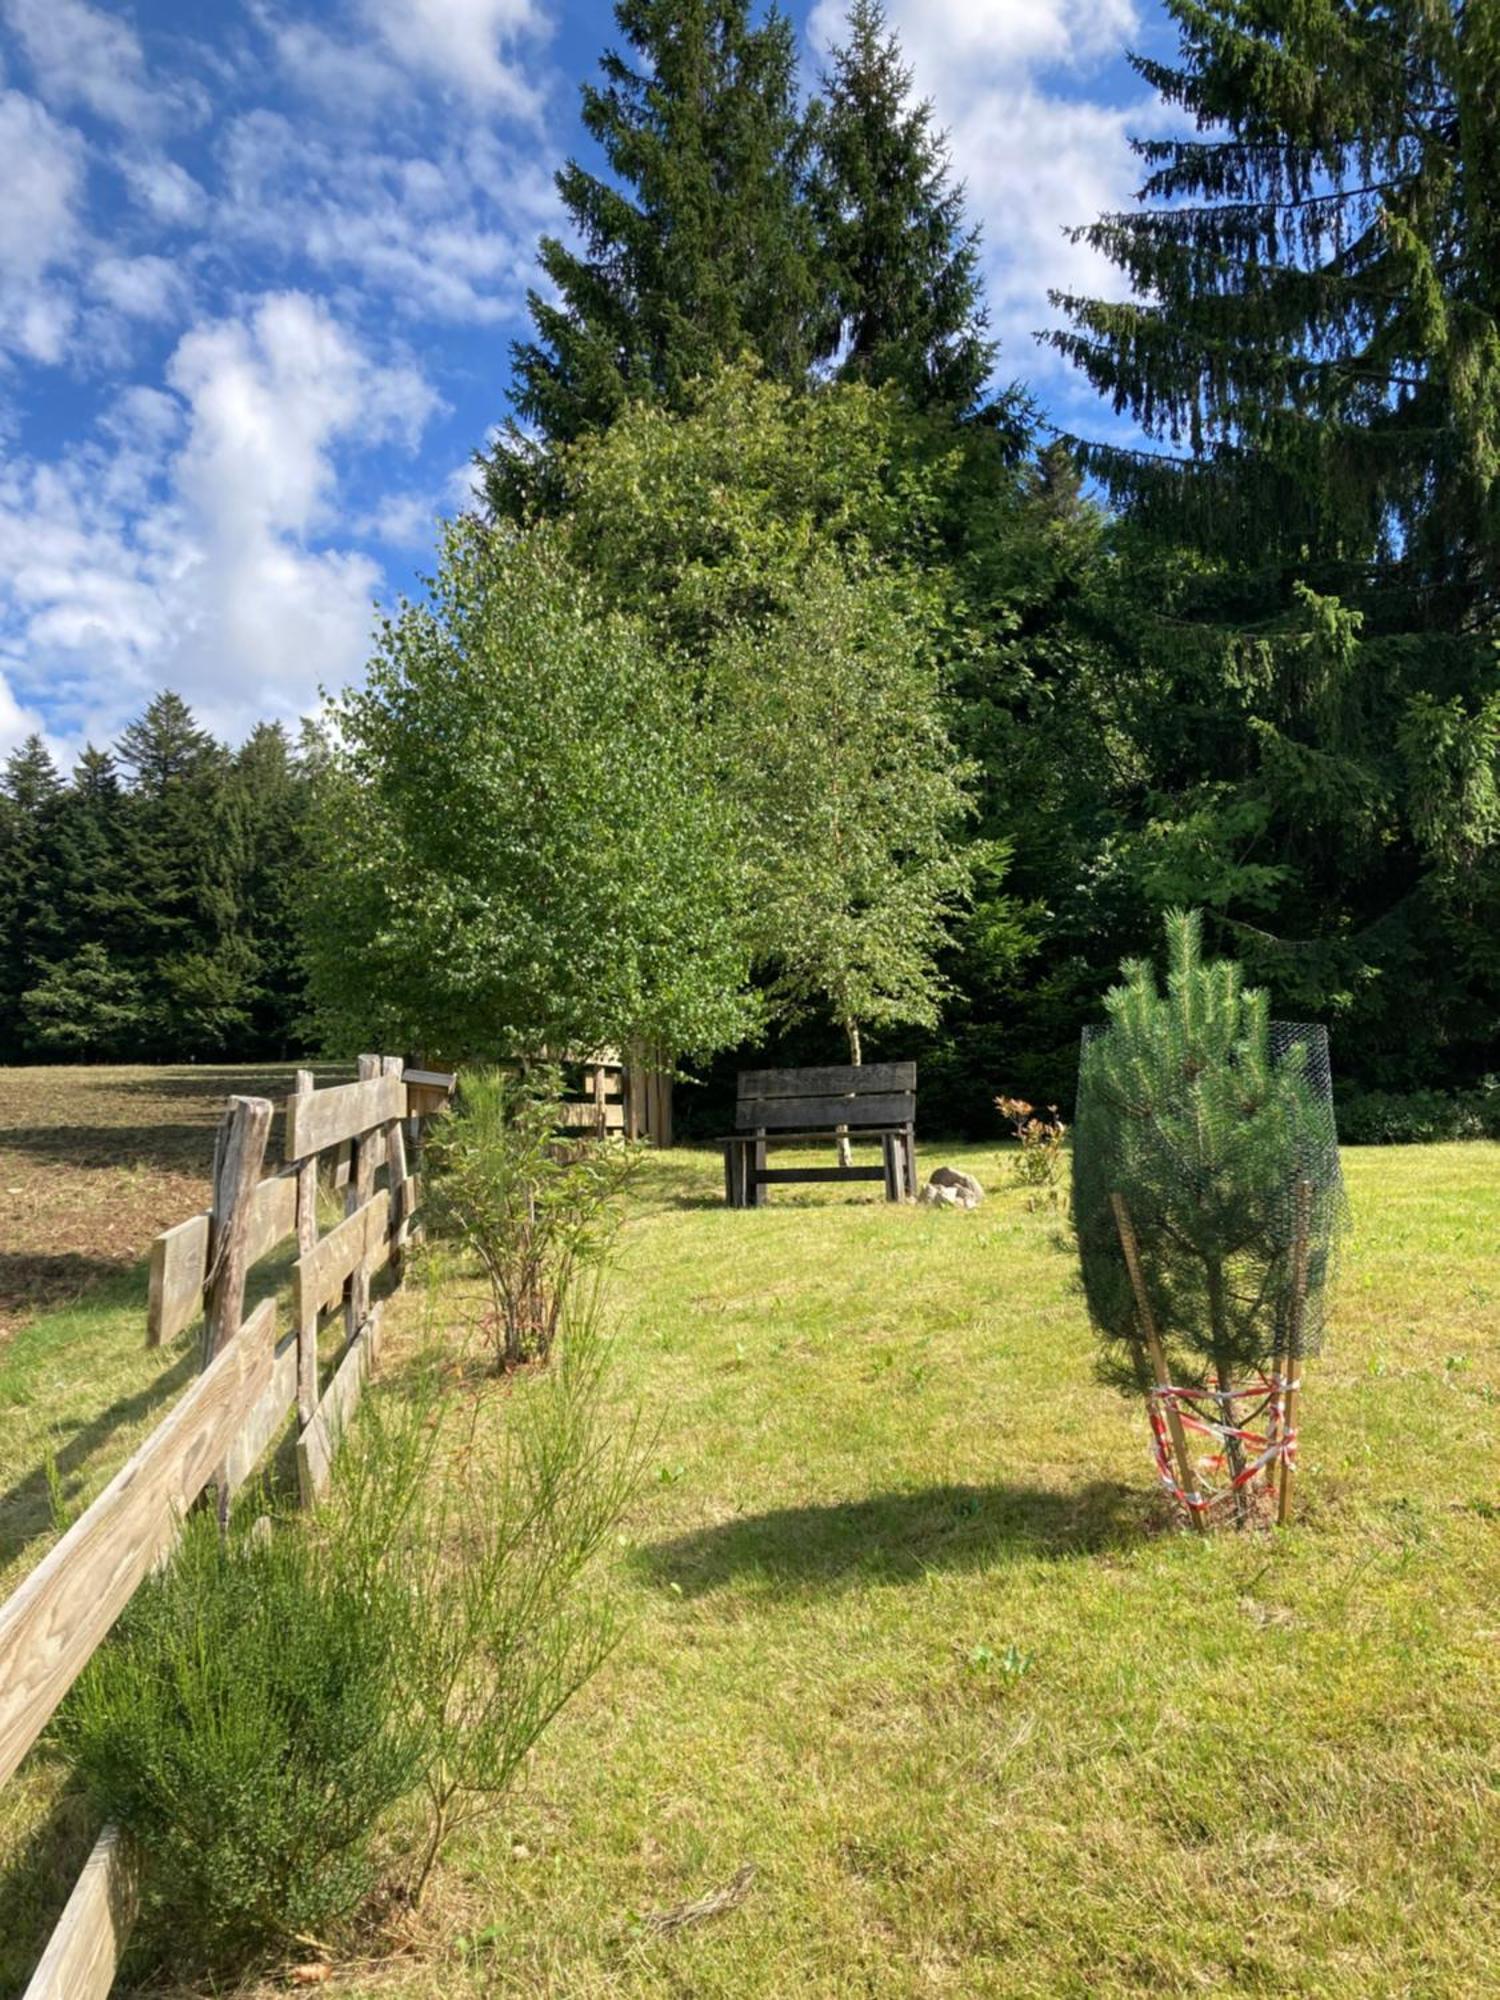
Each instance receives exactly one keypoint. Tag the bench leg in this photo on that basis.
(910, 1150)
(891, 1158)
(757, 1191)
(729, 1173)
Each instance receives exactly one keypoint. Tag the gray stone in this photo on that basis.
(954, 1177)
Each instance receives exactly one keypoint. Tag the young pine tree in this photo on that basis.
(906, 302)
(1187, 1110)
(698, 247)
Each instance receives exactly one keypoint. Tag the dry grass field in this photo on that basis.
(94, 1161)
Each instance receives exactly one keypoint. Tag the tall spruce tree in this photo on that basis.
(1314, 342)
(906, 302)
(698, 247)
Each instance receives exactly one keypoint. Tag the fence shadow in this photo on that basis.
(35, 1881)
(898, 1537)
(26, 1508)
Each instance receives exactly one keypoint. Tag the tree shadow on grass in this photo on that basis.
(899, 1537)
(36, 1877)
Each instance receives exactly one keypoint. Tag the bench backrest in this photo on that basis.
(816, 1100)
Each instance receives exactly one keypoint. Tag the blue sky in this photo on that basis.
(260, 265)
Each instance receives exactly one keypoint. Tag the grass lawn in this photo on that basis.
(909, 1634)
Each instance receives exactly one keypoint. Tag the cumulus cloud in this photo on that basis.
(467, 45)
(448, 230)
(82, 55)
(42, 170)
(191, 544)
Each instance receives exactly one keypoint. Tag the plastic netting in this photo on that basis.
(1216, 1128)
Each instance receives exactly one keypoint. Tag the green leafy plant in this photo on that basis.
(1037, 1167)
(501, 1530)
(538, 1215)
(244, 1727)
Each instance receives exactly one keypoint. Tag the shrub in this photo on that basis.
(492, 1559)
(245, 1728)
(1419, 1117)
(1038, 1165)
(535, 1213)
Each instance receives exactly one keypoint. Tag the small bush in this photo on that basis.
(537, 1214)
(1419, 1117)
(501, 1528)
(244, 1727)
(1038, 1165)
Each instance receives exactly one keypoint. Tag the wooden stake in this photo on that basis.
(1294, 1344)
(239, 1152)
(395, 1153)
(1154, 1349)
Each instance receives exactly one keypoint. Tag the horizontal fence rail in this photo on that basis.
(221, 1428)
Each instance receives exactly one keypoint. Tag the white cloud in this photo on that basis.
(1038, 154)
(42, 173)
(166, 191)
(466, 45)
(449, 232)
(145, 288)
(186, 547)
(82, 55)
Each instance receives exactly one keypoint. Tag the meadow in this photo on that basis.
(921, 1692)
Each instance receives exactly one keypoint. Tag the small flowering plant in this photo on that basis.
(1040, 1136)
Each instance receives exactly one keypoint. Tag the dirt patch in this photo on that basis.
(94, 1161)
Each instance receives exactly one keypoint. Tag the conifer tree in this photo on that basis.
(697, 248)
(901, 267)
(1187, 1111)
(1313, 349)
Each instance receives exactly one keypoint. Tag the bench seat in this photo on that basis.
(875, 1102)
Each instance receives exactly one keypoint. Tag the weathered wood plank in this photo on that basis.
(179, 1256)
(239, 1152)
(438, 1079)
(775, 1176)
(84, 1951)
(179, 1264)
(818, 1114)
(269, 1414)
(369, 1151)
(318, 1278)
(62, 1611)
(861, 1078)
(319, 1440)
(323, 1119)
(586, 1117)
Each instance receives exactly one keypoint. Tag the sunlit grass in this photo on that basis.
(909, 1631)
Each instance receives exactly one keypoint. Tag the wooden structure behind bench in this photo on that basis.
(865, 1101)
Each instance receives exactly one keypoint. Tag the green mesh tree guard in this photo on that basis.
(1216, 1126)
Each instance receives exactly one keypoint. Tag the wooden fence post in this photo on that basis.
(361, 1187)
(239, 1152)
(307, 1238)
(395, 1153)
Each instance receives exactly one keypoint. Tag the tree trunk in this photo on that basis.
(856, 1059)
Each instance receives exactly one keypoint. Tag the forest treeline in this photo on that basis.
(943, 708)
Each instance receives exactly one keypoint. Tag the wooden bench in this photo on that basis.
(870, 1101)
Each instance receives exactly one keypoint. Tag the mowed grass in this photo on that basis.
(908, 1631)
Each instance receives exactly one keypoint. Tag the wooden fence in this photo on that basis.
(632, 1098)
(368, 1136)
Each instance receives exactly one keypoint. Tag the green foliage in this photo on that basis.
(696, 249)
(86, 1006)
(538, 1215)
(1037, 1166)
(1187, 1112)
(523, 848)
(150, 914)
(901, 269)
(499, 1531)
(245, 1727)
(851, 800)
